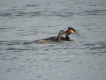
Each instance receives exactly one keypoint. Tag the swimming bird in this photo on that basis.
(59, 37)
(53, 39)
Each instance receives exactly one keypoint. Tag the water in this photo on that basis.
(24, 21)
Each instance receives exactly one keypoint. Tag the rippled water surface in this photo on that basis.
(24, 21)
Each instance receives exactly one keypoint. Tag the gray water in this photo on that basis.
(24, 21)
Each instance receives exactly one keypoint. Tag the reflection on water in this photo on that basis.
(21, 23)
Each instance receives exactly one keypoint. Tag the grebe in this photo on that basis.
(54, 39)
(59, 37)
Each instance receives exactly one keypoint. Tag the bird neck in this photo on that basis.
(67, 38)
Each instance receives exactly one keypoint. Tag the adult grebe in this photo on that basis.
(53, 39)
(59, 37)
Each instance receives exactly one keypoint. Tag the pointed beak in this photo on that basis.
(76, 33)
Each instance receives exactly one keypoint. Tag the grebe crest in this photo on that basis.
(71, 30)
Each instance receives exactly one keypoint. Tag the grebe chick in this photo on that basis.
(59, 36)
(53, 39)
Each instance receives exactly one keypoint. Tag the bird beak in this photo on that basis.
(76, 33)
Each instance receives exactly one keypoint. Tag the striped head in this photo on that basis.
(70, 31)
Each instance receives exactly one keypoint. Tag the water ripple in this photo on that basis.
(96, 12)
(5, 14)
(97, 47)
